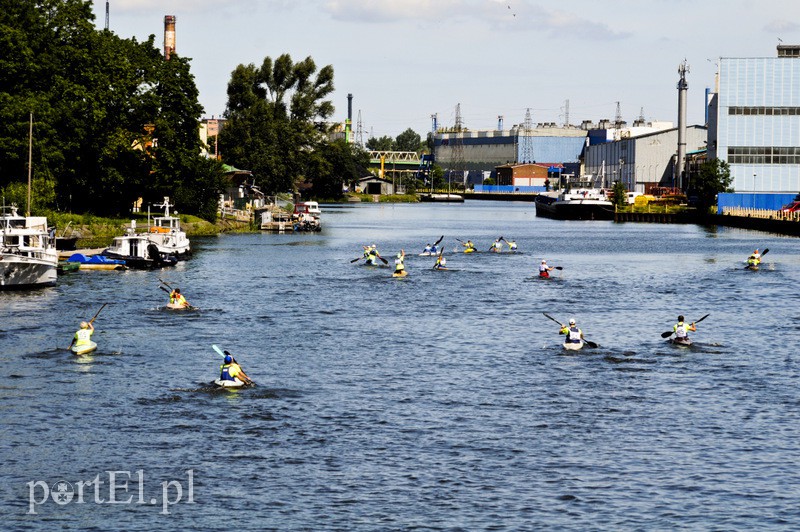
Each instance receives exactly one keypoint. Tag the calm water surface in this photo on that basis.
(442, 401)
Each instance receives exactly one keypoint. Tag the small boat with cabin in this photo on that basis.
(165, 232)
(138, 250)
(28, 256)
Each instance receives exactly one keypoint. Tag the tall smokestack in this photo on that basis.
(350, 107)
(169, 36)
(683, 69)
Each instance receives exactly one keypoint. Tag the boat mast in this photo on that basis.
(30, 158)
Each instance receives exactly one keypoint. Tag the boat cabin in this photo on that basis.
(308, 207)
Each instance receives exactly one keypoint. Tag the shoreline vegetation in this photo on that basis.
(96, 231)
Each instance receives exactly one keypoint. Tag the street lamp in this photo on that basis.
(754, 181)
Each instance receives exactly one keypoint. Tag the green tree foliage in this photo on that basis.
(408, 140)
(620, 194)
(91, 94)
(274, 115)
(385, 143)
(333, 165)
(713, 177)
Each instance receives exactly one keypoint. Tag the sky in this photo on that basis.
(405, 60)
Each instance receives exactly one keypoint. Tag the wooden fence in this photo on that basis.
(761, 213)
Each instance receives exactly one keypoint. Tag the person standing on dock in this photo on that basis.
(544, 269)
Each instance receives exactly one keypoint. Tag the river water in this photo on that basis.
(442, 401)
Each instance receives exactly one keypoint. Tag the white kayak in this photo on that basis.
(83, 349)
(175, 306)
(685, 341)
(573, 346)
(235, 383)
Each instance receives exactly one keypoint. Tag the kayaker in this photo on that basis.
(468, 246)
(497, 247)
(176, 298)
(754, 259)
(681, 330)
(373, 255)
(544, 269)
(441, 263)
(574, 334)
(230, 370)
(434, 249)
(512, 246)
(428, 249)
(399, 267)
(83, 335)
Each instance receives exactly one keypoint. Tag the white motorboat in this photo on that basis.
(165, 232)
(138, 250)
(580, 200)
(28, 256)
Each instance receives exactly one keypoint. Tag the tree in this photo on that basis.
(385, 143)
(620, 194)
(408, 140)
(92, 95)
(275, 114)
(334, 164)
(713, 177)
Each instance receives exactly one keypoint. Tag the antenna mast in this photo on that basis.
(106, 15)
(526, 140)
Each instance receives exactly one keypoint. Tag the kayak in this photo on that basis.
(572, 346)
(428, 254)
(469, 250)
(401, 273)
(441, 268)
(235, 383)
(84, 349)
(685, 341)
(175, 306)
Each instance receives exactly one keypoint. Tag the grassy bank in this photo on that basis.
(96, 231)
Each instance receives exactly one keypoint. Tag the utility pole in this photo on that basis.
(106, 15)
(526, 140)
(458, 148)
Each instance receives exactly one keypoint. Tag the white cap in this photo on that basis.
(543, 261)
(572, 321)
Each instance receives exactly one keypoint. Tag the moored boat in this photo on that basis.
(28, 257)
(581, 200)
(138, 250)
(442, 198)
(165, 232)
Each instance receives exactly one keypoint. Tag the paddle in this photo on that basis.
(666, 334)
(190, 307)
(355, 259)
(221, 353)
(90, 322)
(384, 260)
(164, 283)
(585, 341)
(437, 242)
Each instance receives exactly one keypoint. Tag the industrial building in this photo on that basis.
(754, 121)
(643, 161)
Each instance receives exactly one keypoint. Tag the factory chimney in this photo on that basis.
(348, 125)
(683, 69)
(169, 36)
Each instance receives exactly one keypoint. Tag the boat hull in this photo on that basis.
(573, 209)
(19, 272)
(83, 349)
(571, 346)
(400, 274)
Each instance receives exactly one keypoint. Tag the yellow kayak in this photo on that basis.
(469, 250)
(401, 273)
